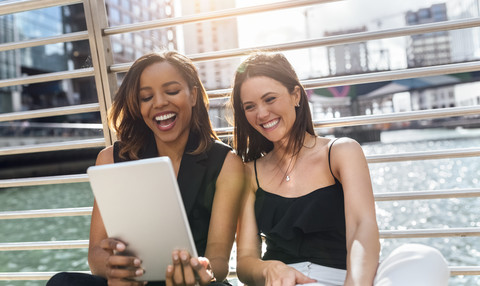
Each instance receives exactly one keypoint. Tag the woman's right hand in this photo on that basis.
(121, 269)
(280, 274)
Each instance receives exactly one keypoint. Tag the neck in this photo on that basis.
(174, 150)
(280, 151)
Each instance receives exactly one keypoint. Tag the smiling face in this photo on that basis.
(269, 107)
(166, 102)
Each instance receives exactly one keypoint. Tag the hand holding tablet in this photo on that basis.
(141, 205)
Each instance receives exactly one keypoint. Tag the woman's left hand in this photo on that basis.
(187, 270)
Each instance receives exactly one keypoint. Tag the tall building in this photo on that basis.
(130, 46)
(207, 37)
(432, 48)
(465, 43)
(73, 55)
(347, 59)
(211, 36)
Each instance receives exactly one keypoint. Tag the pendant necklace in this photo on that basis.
(287, 174)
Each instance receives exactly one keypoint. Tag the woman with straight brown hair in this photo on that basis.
(309, 197)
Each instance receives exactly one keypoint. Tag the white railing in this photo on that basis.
(104, 71)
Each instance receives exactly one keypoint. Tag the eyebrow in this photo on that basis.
(263, 96)
(167, 84)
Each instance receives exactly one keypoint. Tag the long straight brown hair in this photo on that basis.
(247, 141)
(125, 116)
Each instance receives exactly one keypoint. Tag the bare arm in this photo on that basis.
(350, 167)
(225, 210)
(97, 256)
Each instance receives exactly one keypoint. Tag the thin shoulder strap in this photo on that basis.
(256, 177)
(329, 151)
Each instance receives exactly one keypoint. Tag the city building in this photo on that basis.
(465, 43)
(347, 59)
(431, 48)
(72, 55)
(212, 36)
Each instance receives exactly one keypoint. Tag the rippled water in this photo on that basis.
(386, 177)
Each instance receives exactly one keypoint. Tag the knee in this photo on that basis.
(76, 279)
(415, 264)
(423, 255)
(58, 279)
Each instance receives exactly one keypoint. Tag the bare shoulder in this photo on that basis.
(105, 156)
(345, 146)
(232, 161)
(232, 169)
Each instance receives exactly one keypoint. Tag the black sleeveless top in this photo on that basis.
(196, 178)
(306, 228)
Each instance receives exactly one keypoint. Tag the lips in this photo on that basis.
(166, 121)
(270, 124)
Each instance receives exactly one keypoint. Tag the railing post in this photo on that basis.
(102, 58)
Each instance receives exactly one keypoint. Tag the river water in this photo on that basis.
(386, 177)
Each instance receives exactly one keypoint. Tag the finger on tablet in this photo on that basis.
(124, 261)
(203, 270)
(177, 268)
(188, 273)
(112, 244)
(169, 276)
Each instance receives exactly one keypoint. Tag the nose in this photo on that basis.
(263, 112)
(159, 100)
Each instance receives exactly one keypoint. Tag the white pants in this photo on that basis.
(409, 264)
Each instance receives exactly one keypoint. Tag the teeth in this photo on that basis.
(164, 116)
(270, 124)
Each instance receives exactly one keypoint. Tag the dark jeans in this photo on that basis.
(82, 279)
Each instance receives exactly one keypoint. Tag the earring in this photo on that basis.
(298, 104)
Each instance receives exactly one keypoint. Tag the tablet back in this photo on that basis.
(140, 204)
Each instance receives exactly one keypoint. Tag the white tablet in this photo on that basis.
(140, 204)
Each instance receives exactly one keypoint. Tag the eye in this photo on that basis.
(248, 107)
(270, 99)
(172, 92)
(145, 98)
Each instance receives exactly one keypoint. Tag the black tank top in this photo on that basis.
(200, 213)
(306, 228)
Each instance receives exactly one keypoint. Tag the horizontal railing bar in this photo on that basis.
(46, 125)
(376, 76)
(71, 37)
(57, 146)
(383, 76)
(16, 6)
(328, 41)
(399, 117)
(395, 196)
(410, 233)
(385, 118)
(424, 155)
(85, 72)
(37, 245)
(6, 276)
(213, 15)
(44, 213)
(342, 39)
(37, 181)
(464, 270)
(393, 75)
(422, 195)
(418, 233)
(47, 112)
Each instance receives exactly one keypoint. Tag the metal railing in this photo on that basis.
(104, 71)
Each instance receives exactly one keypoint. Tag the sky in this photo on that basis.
(291, 25)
